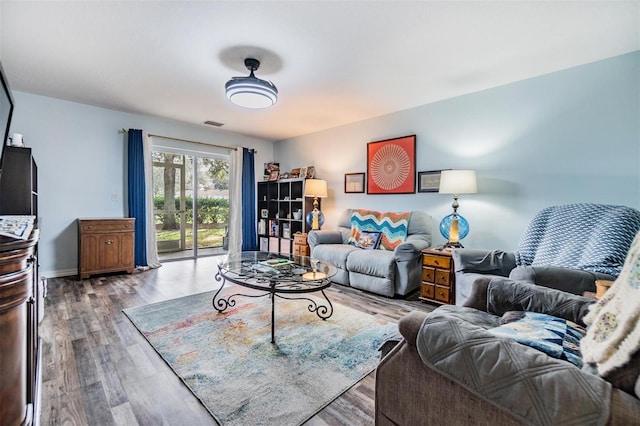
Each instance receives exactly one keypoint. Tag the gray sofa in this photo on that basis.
(384, 272)
(448, 369)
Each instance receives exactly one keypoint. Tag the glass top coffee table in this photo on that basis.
(275, 275)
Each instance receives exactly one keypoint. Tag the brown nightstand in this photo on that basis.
(300, 246)
(438, 278)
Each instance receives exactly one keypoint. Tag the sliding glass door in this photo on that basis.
(191, 204)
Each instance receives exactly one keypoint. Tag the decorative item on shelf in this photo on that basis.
(353, 183)
(311, 172)
(295, 173)
(303, 172)
(316, 188)
(286, 230)
(454, 227)
(285, 175)
(271, 166)
(297, 215)
(273, 228)
(274, 175)
(16, 140)
(251, 92)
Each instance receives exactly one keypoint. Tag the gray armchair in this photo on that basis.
(449, 368)
(565, 247)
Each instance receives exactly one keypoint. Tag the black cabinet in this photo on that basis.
(282, 208)
(18, 182)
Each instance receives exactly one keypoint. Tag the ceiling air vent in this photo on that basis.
(213, 123)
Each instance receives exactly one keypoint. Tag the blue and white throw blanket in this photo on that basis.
(590, 237)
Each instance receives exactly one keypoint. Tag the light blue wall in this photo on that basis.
(81, 165)
(569, 136)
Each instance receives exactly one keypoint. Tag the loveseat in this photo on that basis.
(450, 368)
(386, 272)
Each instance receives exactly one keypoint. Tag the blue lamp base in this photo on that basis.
(454, 228)
(315, 219)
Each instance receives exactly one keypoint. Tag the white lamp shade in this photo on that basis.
(315, 188)
(458, 182)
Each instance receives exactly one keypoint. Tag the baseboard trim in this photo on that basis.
(59, 273)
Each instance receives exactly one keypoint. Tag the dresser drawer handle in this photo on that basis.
(109, 242)
(441, 293)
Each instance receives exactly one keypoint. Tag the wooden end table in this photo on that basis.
(300, 245)
(438, 277)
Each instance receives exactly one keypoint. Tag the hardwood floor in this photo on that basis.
(98, 370)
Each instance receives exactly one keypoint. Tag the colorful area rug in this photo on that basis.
(228, 362)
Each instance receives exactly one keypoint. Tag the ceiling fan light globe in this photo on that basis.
(251, 92)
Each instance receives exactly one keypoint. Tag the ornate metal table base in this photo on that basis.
(282, 285)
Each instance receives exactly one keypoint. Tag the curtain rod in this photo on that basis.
(187, 140)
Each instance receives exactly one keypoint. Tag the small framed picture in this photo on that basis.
(429, 181)
(271, 166)
(295, 173)
(311, 172)
(264, 213)
(303, 172)
(353, 183)
(274, 175)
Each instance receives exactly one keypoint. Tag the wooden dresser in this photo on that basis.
(19, 347)
(105, 245)
(21, 297)
(438, 278)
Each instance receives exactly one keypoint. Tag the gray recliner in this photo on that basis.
(565, 247)
(384, 272)
(449, 369)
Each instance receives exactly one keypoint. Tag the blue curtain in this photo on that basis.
(136, 194)
(249, 235)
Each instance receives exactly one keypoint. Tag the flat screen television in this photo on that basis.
(6, 111)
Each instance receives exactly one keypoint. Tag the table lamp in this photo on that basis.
(316, 188)
(453, 226)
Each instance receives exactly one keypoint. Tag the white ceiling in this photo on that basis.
(334, 62)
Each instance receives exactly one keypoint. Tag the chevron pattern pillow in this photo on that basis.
(586, 236)
(393, 226)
